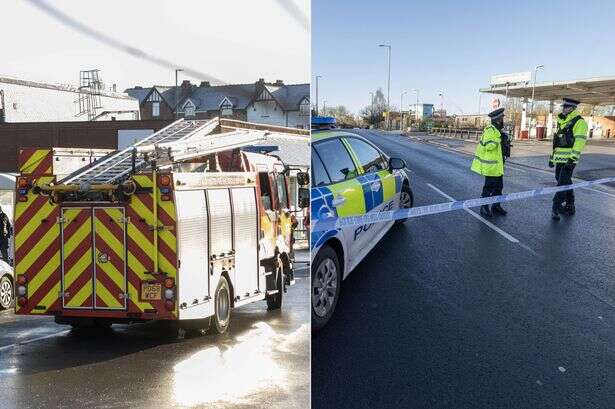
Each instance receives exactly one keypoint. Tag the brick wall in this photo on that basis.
(103, 135)
(166, 113)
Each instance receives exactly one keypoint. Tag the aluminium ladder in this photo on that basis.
(119, 165)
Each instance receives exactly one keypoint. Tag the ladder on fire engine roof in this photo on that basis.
(118, 165)
(168, 153)
(180, 140)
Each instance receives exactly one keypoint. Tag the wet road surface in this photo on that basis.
(263, 361)
(449, 312)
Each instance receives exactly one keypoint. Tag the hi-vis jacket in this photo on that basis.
(488, 159)
(570, 138)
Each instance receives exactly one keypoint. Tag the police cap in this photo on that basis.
(496, 114)
(570, 102)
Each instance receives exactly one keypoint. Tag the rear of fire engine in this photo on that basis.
(151, 233)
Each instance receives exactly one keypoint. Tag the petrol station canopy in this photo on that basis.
(592, 91)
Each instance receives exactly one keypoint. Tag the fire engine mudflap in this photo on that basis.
(159, 245)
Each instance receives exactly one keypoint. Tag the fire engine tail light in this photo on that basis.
(165, 180)
(169, 282)
(22, 189)
(21, 290)
(169, 293)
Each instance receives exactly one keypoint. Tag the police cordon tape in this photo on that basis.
(331, 223)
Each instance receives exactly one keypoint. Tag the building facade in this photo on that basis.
(268, 103)
(30, 101)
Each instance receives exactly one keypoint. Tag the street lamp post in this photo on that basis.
(416, 110)
(324, 107)
(388, 47)
(317, 78)
(441, 95)
(533, 89)
(371, 112)
(401, 110)
(178, 70)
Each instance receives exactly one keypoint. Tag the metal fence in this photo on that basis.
(458, 133)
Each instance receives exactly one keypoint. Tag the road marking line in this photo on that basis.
(55, 334)
(477, 216)
(599, 191)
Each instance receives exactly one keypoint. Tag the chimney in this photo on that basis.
(279, 83)
(186, 87)
(205, 84)
(260, 81)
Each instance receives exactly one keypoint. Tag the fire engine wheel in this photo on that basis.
(274, 301)
(326, 280)
(6, 293)
(222, 308)
(406, 200)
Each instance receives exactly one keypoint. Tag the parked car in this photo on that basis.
(6, 285)
(350, 177)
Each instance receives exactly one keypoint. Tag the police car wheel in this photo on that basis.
(6, 293)
(406, 200)
(222, 308)
(326, 280)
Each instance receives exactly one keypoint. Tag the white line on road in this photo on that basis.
(488, 223)
(27, 341)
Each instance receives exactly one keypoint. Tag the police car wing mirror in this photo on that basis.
(303, 197)
(303, 178)
(396, 163)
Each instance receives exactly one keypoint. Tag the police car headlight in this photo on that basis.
(169, 294)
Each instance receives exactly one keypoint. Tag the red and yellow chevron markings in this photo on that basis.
(110, 258)
(33, 161)
(37, 250)
(77, 258)
(140, 243)
(142, 227)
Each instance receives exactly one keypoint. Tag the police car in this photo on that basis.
(350, 177)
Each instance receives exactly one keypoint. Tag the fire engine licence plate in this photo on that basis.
(151, 291)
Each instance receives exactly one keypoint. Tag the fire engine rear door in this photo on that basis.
(110, 258)
(245, 232)
(77, 265)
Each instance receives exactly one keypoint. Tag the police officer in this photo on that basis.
(491, 152)
(568, 142)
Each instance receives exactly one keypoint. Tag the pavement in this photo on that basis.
(453, 311)
(597, 156)
(262, 361)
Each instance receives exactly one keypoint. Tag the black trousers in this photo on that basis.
(563, 175)
(493, 186)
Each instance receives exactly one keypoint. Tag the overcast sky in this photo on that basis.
(237, 41)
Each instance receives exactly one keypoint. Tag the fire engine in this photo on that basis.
(180, 226)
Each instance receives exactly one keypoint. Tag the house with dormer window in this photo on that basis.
(261, 102)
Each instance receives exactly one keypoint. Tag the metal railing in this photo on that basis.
(458, 133)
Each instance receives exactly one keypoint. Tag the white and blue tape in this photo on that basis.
(331, 223)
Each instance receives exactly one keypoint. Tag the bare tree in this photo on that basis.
(373, 114)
